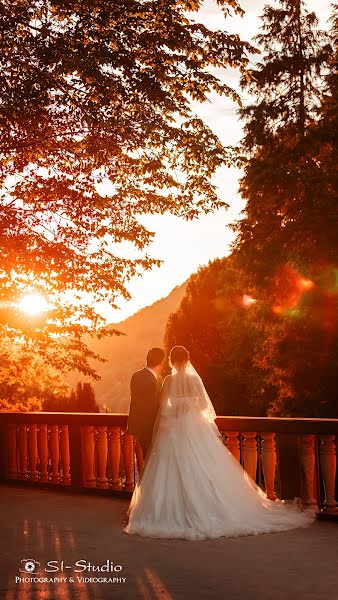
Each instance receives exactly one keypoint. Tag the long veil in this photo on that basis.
(186, 384)
(195, 385)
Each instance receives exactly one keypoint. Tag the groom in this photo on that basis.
(144, 393)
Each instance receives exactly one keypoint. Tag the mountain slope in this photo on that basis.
(127, 353)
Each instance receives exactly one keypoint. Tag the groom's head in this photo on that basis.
(155, 358)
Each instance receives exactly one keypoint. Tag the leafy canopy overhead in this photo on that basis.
(98, 92)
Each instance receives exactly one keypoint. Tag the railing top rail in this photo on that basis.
(231, 423)
(65, 418)
(278, 424)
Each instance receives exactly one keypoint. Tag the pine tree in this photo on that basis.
(287, 241)
(82, 398)
(329, 105)
(287, 195)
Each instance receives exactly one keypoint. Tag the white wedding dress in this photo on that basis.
(192, 486)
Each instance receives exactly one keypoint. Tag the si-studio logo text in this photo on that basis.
(82, 572)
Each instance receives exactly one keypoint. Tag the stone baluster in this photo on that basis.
(307, 461)
(33, 451)
(54, 452)
(22, 451)
(250, 453)
(128, 459)
(43, 452)
(232, 443)
(328, 465)
(65, 455)
(139, 455)
(114, 449)
(269, 461)
(88, 455)
(102, 456)
(12, 458)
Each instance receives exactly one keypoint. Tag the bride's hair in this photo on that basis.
(178, 355)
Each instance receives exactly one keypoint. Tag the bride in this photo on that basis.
(191, 485)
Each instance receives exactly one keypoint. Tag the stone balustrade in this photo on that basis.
(287, 457)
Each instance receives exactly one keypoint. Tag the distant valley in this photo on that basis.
(126, 353)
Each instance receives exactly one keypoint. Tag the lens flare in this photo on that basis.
(306, 284)
(248, 300)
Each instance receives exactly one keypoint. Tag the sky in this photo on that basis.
(185, 245)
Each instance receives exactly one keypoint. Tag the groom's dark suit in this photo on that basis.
(144, 399)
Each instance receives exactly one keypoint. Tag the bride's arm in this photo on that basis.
(164, 389)
(161, 416)
(163, 397)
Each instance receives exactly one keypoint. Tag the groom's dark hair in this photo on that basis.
(155, 357)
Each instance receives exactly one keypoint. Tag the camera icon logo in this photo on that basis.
(29, 566)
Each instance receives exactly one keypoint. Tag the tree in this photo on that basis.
(96, 129)
(80, 399)
(287, 242)
(26, 383)
(328, 124)
(285, 186)
(84, 398)
(279, 356)
(213, 322)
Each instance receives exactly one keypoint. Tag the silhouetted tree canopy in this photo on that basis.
(285, 345)
(290, 211)
(287, 242)
(80, 399)
(213, 322)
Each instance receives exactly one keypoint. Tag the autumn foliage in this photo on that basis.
(96, 129)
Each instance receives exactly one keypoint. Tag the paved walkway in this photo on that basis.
(45, 525)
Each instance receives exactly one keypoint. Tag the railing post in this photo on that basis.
(43, 452)
(307, 458)
(64, 451)
(88, 455)
(269, 461)
(250, 454)
(128, 459)
(328, 464)
(232, 443)
(33, 451)
(102, 456)
(114, 449)
(75, 454)
(54, 452)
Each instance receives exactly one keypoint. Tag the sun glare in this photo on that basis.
(248, 300)
(33, 304)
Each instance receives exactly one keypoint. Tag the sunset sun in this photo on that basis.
(33, 304)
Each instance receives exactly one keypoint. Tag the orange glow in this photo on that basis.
(248, 300)
(33, 304)
(306, 284)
